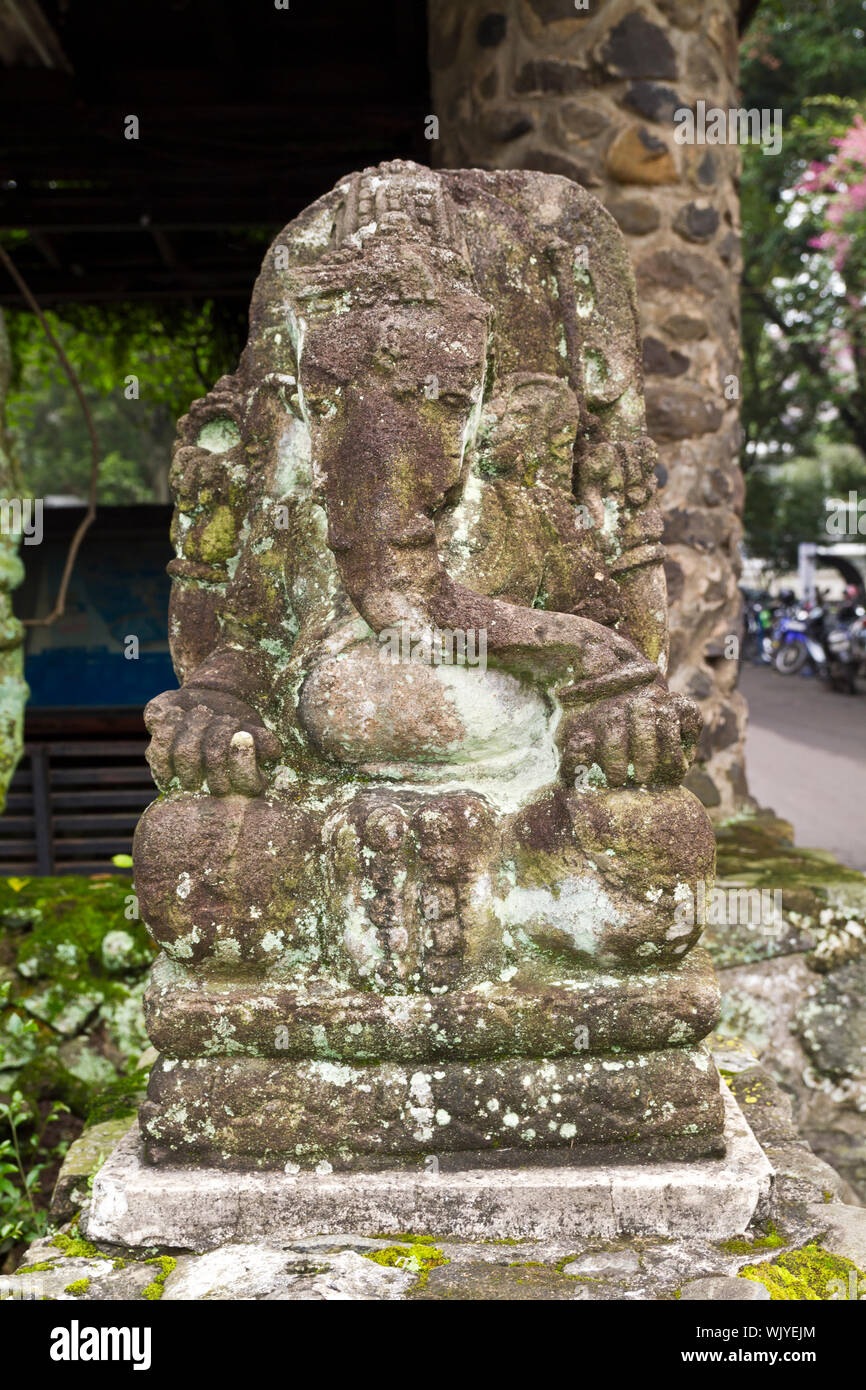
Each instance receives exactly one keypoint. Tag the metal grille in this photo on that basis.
(72, 805)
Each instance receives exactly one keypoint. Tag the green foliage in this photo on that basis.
(809, 59)
(786, 502)
(72, 969)
(808, 1274)
(23, 1158)
(176, 353)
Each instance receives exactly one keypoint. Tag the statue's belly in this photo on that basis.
(433, 724)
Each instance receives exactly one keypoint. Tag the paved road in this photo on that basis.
(806, 758)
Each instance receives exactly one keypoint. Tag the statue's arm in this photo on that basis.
(614, 456)
(209, 734)
(387, 476)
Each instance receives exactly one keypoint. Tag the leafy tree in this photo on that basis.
(786, 502)
(835, 192)
(174, 352)
(808, 58)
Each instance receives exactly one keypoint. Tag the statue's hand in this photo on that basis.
(209, 740)
(643, 737)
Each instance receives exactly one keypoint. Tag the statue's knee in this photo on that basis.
(623, 864)
(227, 879)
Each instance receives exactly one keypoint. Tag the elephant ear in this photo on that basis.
(528, 429)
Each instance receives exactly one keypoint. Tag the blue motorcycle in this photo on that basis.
(798, 640)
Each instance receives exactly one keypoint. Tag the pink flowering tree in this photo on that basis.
(832, 195)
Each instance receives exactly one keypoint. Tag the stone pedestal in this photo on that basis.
(200, 1208)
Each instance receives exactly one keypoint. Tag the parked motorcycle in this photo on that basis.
(758, 614)
(832, 644)
(798, 640)
(846, 648)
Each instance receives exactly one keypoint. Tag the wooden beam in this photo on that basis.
(27, 39)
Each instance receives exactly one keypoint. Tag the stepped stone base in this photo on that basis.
(197, 1208)
(252, 1112)
(191, 1013)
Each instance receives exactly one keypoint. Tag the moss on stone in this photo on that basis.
(73, 1247)
(78, 1287)
(740, 1246)
(119, 1100)
(418, 1258)
(154, 1290)
(218, 540)
(804, 1274)
(410, 1238)
(63, 972)
(758, 845)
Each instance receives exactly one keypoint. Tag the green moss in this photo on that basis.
(41, 1268)
(419, 1258)
(407, 1238)
(80, 1286)
(119, 1100)
(804, 1274)
(758, 845)
(218, 540)
(59, 960)
(73, 1247)
(154, 1290)
(739, 1246)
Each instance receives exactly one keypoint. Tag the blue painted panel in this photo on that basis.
(119, 589)
(94, 676)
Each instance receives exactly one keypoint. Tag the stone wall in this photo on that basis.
(590, 94)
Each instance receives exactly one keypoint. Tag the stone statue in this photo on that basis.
(421, 868)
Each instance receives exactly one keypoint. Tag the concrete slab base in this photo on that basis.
(201, 1208)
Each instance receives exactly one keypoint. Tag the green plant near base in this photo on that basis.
(155, 1289)
(807, 1274)
(418, 1258)
(54, 936)
(23, 1159)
